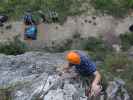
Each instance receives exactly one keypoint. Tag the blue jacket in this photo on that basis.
(31, 31)
(86, 67)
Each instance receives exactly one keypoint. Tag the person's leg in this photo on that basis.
(28, 40)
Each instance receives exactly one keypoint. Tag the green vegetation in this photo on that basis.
(13, 47)
(118, 65)
(64, 8)
(126, 40)
(117, 8)
(7, 90)
(97, 48)
(16, 8)
(5, 94)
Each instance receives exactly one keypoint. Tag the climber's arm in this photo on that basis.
(96, 88)
(97, 78)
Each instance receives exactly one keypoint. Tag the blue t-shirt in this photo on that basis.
(86, 67)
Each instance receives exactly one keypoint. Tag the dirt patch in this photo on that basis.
(84, 25)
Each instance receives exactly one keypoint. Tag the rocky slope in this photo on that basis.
(34, 76)
(86, 25)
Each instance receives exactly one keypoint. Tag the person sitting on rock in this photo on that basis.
(84, 67)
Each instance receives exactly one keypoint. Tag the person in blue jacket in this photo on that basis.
(85, 67)
(30, 32)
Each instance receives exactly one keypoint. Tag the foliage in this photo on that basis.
(118, 65)
(129, 3)
(6, 91)
(115, 62)
(58, 46)
(5, 94)
(94, 44)
(117, 8)
(17, 8)
(13, 47)
(126, 40)
(96, 47)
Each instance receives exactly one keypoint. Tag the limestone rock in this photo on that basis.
(33, 76)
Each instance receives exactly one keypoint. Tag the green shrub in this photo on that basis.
(94, 44)
(96, 47)
(16, 8)
(114, 62)
(6, 91)
(13, 47)
(117, 8)
(126, 40)
(129, 3)
(5, 94)
(118, 65)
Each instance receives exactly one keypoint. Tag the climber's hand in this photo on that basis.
(61, 69)
(95, 89)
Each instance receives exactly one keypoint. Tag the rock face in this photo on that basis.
(33, 76)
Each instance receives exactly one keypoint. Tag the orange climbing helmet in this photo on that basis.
(73, 57)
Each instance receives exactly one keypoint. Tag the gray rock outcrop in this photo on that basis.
(33, 76)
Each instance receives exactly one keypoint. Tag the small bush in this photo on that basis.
(117, 8)
(126, 40)
(7, 91)
(115, 62)
(13, 47)
(118, 66)
(96, 47)
(5, 94)
(94, 44)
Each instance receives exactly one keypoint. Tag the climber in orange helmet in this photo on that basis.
(85, 67)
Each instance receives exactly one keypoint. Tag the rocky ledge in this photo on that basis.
(34, 76)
